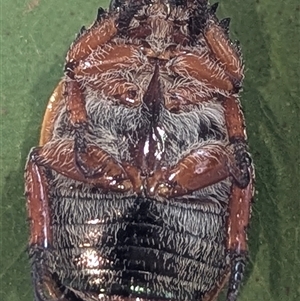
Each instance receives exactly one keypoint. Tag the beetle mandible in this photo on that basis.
(141, 186)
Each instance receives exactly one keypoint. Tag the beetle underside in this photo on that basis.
(141, 187)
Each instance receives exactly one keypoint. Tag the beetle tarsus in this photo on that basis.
(238, 262)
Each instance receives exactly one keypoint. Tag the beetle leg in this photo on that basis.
(121, 90)
(224, 51)
(95, 166)
(86, 163)
(108, 58)
(36, 190)
(241, 197)
(99, 34)
(182, 95)
(222, 68)
(237, 137)
(235, 125)
(75, 104)
(203, 69)
(237, 223)
(201, 168)
(45, 288)
(101, 72)
(60, 157)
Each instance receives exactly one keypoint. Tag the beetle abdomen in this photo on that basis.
(135, 246)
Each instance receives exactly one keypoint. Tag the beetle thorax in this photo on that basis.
(159, 29)
(159, 38)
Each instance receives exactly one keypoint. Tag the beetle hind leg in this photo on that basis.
(241, 195)
(238, 262)
(47, 287)
(243, 162)
(44, 287)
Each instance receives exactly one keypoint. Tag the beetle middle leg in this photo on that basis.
(222, 71)
(91, 161)
(208, 164)
(98, 64)
(202, 68)
(87, 163)
(76, 159)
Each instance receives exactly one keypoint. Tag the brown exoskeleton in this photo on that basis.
(141, 186)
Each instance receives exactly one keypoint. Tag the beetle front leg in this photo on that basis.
(224, 51)
(108, 58)
(102, 31)
(101, 72)
(202, 68)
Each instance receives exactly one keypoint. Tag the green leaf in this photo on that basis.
(35, 36)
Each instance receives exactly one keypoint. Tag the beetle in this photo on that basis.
(141, 186)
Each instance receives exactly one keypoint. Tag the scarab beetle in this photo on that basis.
(141, 186)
